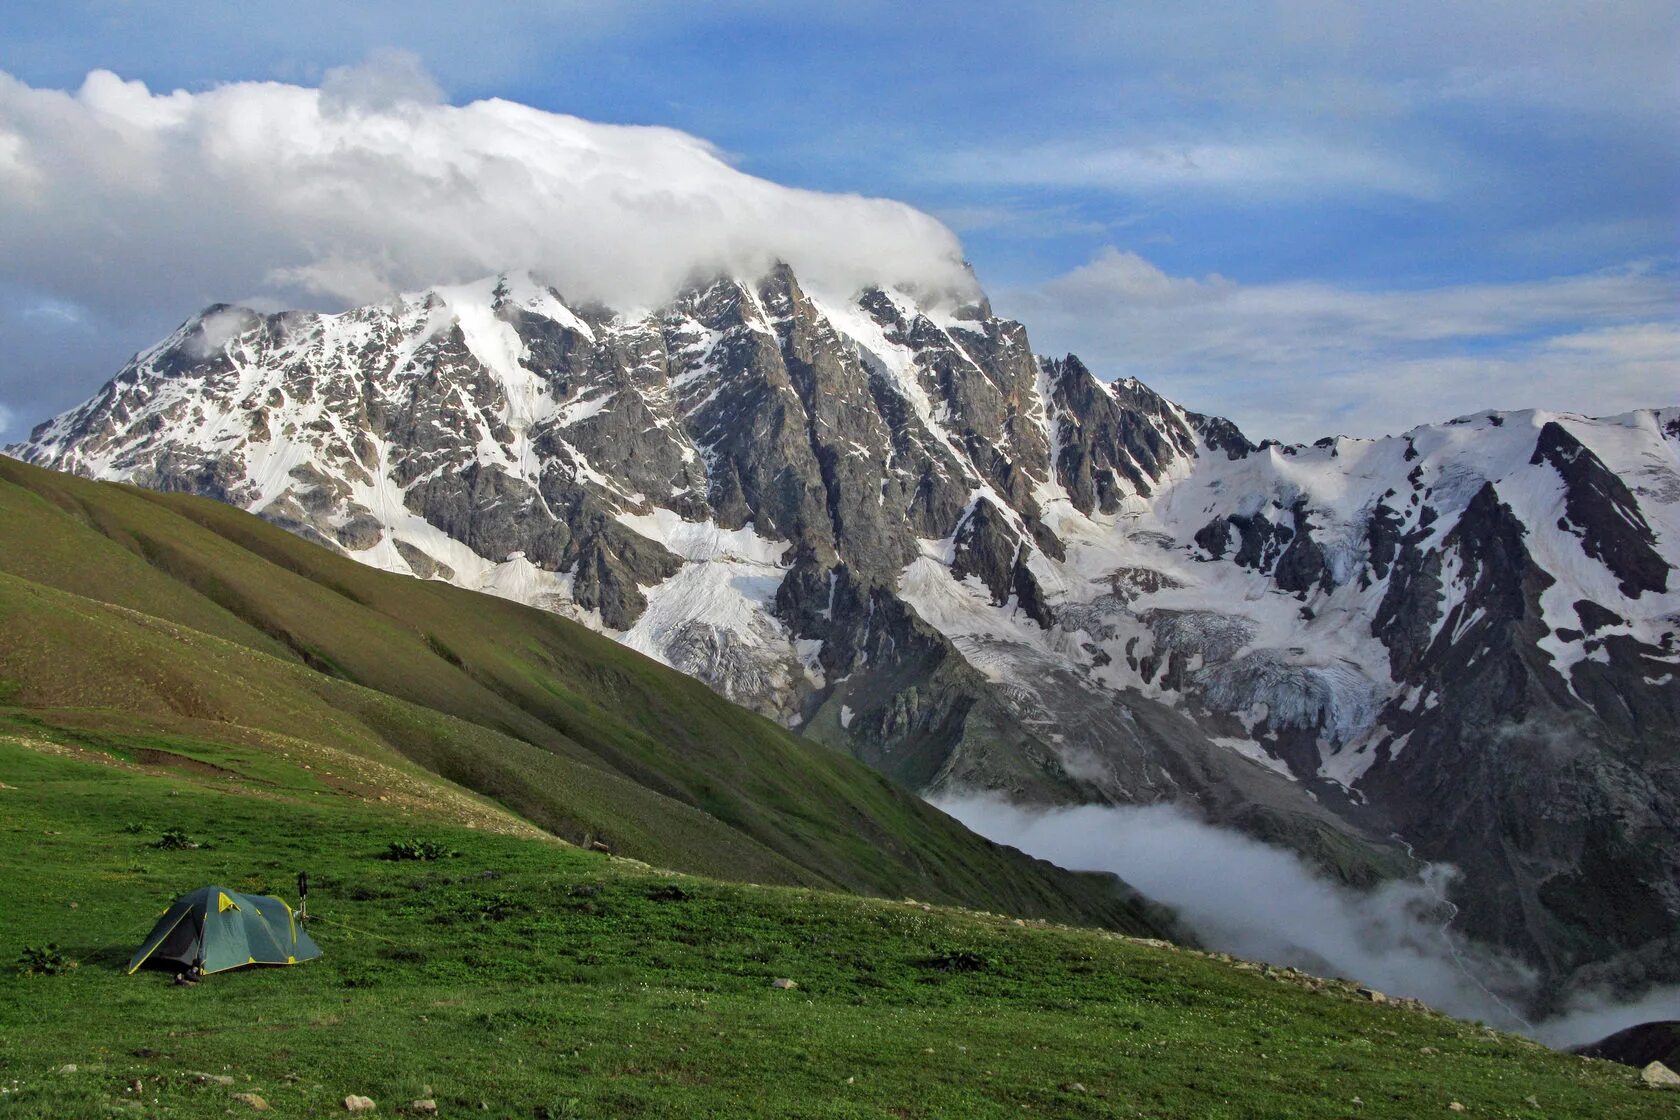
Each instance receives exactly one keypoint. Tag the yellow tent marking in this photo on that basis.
(224, 903)
(291, 924)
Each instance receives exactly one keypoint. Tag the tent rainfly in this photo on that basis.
(215, 929)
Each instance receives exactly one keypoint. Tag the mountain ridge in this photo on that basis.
(169, 627)
(897, 529)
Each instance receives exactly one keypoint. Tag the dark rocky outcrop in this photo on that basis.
(1599, 508)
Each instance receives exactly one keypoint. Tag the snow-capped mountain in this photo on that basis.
(885, 521)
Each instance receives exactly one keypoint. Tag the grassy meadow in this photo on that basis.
(523, 977)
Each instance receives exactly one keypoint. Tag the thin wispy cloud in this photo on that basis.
(1298, 360)
(1293, 167)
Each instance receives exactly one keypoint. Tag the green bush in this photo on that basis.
(44, 960)
(174, 840)
(418, 849)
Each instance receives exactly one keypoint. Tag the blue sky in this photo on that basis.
(1313, 217)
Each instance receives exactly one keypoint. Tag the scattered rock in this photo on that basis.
(781, 982)
(427, 1107)
(212, 1078)
(256, 1102)
(1428, 1050)
(1656, 1075)
(1532, 1102)
(66, 1068)
(1373, 995)
(1455, 1107)
(1072, 1087)
(353, 1103)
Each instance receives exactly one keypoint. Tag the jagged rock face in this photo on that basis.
(890, 524)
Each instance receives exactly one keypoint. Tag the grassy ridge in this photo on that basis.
(158, 612)
(542, 980)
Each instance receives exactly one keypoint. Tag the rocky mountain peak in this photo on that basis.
(884, 520)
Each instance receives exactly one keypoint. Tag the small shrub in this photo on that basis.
(417, 849)
(174, 840)
(670, 892)
(44, 960)
(134, 828)
(957, 960)
(497, 909)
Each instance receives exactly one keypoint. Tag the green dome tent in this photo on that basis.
(216, 929)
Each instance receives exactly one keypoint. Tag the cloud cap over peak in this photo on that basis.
(372, 183)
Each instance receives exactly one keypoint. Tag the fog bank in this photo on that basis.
(1260, 902)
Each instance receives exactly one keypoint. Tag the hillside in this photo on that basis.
(523, 978)
(181, 631)
(881, 519)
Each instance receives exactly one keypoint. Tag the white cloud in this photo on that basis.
(387, 79)
(1262, 903)
(1590, 1017)
(115, 197)
(1289, 166)
(1297, 360)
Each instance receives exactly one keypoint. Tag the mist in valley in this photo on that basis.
(1265, 903)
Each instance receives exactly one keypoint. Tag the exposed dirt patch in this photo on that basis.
(148, 756)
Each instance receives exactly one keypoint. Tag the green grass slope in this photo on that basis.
(160, 622)
(524, 978)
